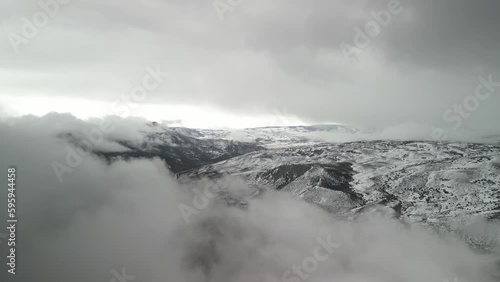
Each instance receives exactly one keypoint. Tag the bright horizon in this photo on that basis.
(192, 116)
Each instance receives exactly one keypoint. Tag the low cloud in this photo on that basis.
(124, 217)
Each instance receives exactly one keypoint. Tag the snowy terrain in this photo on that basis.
(439, 184)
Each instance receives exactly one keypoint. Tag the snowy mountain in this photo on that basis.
(439, 184)
(182, 149)
(272, 136)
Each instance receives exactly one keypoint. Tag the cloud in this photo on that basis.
(409, 131)
(266, 56)
(125, 215)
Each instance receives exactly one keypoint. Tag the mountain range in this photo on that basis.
(442, 185)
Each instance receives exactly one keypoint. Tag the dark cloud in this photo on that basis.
(267, 55)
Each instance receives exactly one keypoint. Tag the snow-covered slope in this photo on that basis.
(182, 149)
(273, 136)
(446, 185)
(437, 184)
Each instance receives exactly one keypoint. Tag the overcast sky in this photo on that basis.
(238, 63)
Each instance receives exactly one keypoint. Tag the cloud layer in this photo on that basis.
(265, 56)
(126, 215)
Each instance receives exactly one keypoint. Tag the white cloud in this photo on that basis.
(105, 217)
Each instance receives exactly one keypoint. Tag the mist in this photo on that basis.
(125, 217)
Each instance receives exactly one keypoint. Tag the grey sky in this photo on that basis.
(265, 56)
